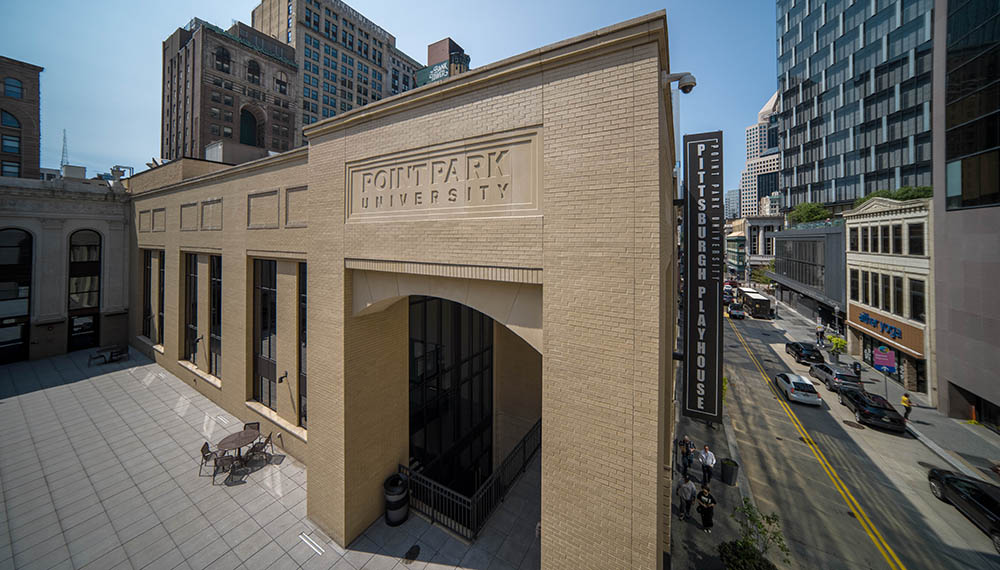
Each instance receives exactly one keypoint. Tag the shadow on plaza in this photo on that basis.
(895, 514)
(24, 377)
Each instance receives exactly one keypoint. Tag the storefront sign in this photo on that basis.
(884, 360)
(704, 261)
(886, 328)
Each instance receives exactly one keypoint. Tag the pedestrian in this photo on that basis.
(686, 454)
(707, 464)
(686, 492)
(857, 369)
(706, 508)
(907, 405)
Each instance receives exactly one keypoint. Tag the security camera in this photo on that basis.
(685, 81)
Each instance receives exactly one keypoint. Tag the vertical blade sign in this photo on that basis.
(703, 256)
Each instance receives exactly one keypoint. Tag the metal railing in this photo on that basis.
(466, 516)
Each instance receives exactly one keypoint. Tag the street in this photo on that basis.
(848, 496)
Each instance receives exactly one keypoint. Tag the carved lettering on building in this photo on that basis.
(491, 176)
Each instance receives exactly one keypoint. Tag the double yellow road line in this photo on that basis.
(845, 493)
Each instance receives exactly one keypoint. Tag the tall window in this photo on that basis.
(916, 238)
(84, 288)
(917, 294)
(281, 83)
(874, 239)
(897, 239)
(265, 295)
(854, 284)
(885, 238)
(222, 59)
(853, 239)
(885, 291)
(215, 317)
(302, 346)
(191, 307)
(15, 294)
(875, 290)
(147, 293)
(864, 239)
(11, 144)
(159, 303)
(13, 88)
(253, 72)
(864, 287)
(897, 295)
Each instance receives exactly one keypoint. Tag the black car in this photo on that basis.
(978, 501)
(871, 409)
(804, 352)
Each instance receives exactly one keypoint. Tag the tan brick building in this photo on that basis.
(477, 254)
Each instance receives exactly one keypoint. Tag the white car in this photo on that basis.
(798, 388)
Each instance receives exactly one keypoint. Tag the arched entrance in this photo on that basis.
(15, 294)
(84, 290)
(251, 128)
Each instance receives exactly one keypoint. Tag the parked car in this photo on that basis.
(804, 352)
(835, 378)
(727, 299)
(736, 311)
(872, 409)
(798, 388)
(977, 500)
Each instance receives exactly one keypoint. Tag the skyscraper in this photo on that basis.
(763, 159)
(732, 206)
(854, 89)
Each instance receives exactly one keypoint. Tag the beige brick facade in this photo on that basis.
(559, 227)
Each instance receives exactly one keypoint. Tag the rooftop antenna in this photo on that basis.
(65, 152)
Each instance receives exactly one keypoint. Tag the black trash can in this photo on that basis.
(730, 471)
(397, 499)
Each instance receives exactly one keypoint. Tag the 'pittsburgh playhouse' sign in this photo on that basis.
(703, 256)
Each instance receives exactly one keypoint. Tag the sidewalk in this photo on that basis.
(970, 449)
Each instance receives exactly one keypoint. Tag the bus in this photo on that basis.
(756, 305)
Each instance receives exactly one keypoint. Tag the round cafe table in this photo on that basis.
(237, 441)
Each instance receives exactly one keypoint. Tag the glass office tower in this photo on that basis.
(854, 82)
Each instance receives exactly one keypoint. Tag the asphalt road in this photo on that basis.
(849, 497)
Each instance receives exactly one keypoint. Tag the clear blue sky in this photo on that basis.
(102, 58)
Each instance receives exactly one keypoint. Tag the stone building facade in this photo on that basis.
(20, 125)
(509, 195)
(889, 274)
(64, 258)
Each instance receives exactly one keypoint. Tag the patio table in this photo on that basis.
(237, 441)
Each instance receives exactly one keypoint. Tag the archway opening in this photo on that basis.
(15, 294)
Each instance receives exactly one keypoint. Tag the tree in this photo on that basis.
(758, 276)
(904, 193)
(758, 534)
(808, 212)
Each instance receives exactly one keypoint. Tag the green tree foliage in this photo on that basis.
(808, 212)
(758, 276)
(758, 534)
(838, 345)
(904, 193)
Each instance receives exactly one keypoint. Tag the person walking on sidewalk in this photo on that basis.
(707, 464)
(686, 454)
(907, 405)
(686, 492)
(706, 508)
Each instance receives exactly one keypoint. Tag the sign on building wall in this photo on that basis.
(704, 259)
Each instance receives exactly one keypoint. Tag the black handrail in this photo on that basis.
(466, 516)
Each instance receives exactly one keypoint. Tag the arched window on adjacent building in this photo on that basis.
(250, 130)
(222, 59)
(281, 83)
(13, 88)
(84, 289)
(8, 120)
(15, 294)
(253, 72)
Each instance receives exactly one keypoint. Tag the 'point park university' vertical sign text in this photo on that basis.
(703, 255)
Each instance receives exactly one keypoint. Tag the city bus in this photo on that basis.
(756, 305)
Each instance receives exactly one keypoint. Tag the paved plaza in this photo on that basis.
(99, 468)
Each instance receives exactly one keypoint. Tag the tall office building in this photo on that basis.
(345, 59)
(763, 159)
(236, 86)
(19, 118)
(732, 204)
(966, 207)
(854, 89)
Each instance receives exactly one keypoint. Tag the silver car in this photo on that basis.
(798, 388)
(835, 378)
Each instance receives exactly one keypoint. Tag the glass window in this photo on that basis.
(917, 296)
(13, 88)
(215, 316)
(884, 237)
(84, 288)
(854, 284)
(864, 287)
(8, 120)
(885, 291)
(875, 290)
(11, 144)
(265, 294)
(303, 384)
(160, 295)
(897, 295)
(916, 238)
(897, 239)
(15, 293)
(973, 181)
(12, 169)
(222, 59)
(191, 307)
(864, 239)
(147, 293)
(875, 241)
(853, 243)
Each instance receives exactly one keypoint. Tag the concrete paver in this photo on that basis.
(99, 468)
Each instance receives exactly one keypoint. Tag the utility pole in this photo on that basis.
(65, 151)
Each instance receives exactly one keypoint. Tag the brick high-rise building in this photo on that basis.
(854, 85)
(346, 60)
(236, 86)
(19, 118)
